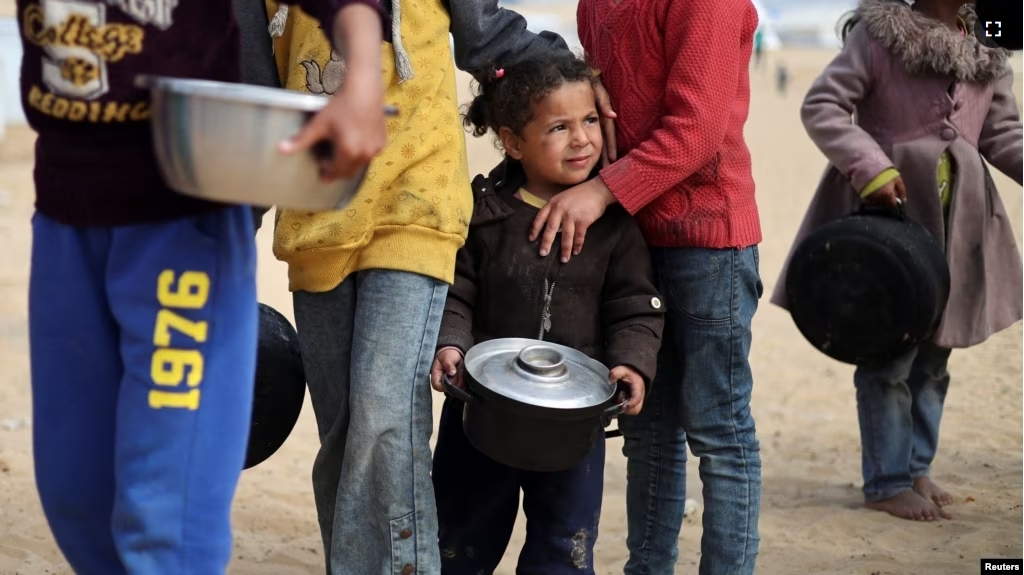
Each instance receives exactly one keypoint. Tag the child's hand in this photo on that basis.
(571, 212)
(353, 119)
(353, 123)
(887, 195)
(447, 361)
(609, 152)
(634, 384)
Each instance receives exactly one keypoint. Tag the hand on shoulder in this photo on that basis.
(573, 212)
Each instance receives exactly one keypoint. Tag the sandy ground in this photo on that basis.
(803, 402)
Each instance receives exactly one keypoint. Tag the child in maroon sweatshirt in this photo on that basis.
(142, 302)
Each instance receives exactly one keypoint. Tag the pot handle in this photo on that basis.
(609, 414)
(899, 212)
(613, 412)
(617, 409)
(451, 391)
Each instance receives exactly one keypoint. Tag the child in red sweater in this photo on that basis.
(677, 73)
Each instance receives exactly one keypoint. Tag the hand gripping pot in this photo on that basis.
(868, 288)
(534, 405)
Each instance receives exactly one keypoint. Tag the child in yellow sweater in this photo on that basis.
(370, 281)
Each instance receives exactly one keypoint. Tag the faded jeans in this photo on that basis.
(700, 397)
(899, 407)
(367, 346)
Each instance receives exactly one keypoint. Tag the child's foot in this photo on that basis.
(910, 505)
(927, 488)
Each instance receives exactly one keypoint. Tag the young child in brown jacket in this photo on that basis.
(602, 303)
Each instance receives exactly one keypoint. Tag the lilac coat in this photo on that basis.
(916, 89)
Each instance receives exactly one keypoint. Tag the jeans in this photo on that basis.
(899, 407)
(700, 396)
(478, 501)
(367, 346)
(143, 355)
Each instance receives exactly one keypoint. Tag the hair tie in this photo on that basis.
(499, 73)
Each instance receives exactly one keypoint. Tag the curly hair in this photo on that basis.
(505, 98)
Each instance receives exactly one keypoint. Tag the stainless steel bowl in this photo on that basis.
(218, 141)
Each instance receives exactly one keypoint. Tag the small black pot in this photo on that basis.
(280, 386)
(513, 436)
(528, 436)
(869, 287)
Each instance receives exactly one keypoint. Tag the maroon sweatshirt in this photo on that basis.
(94, 156)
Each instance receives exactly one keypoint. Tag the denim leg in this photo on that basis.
(886, 427)
(324, 323)
(928, 382)
(655, 448)
(562, 513)
(378, 409)
(477, 500)
(712, 296)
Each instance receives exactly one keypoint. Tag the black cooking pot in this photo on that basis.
(534, 405)
(280, 386)
(869, 287)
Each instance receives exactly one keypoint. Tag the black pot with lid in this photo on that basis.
(534, 405)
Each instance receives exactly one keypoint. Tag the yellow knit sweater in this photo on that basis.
(412, 212)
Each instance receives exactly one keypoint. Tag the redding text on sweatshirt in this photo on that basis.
(95, 163)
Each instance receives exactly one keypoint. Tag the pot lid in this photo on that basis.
(539, 373)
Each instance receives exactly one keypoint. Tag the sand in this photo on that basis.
(811, 520)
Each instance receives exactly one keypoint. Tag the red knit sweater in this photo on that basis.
(677, 72)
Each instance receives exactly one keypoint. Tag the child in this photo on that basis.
(929, 103)
(370, 281)
(678, 72)
(603, 303)
(142, 302)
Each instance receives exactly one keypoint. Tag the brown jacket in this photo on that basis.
(917, 88)
(602, 303)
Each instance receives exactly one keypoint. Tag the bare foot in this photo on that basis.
(910, 505)
(927, 488)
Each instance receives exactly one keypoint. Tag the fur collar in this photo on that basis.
(924, 46)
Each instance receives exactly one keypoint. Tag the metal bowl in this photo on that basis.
(218, 141)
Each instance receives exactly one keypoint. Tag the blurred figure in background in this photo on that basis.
(781, 78)
(759, 48)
